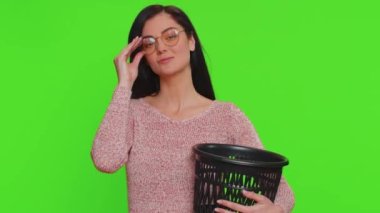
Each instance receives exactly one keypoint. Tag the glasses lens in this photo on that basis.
(148, 44)
(170, 37)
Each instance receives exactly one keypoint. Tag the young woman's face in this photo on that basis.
(170, 52)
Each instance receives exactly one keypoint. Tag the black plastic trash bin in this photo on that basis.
(223, 170)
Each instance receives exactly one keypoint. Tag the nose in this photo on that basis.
(160, 46)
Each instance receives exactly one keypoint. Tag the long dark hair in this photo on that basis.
(147, 82)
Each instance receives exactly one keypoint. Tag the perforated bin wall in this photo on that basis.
(222, 171)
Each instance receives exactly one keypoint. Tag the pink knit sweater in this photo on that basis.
(156, 150)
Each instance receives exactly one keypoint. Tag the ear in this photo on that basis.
(191, 43)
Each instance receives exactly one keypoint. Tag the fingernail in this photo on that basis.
(216, 210)
(219, 201)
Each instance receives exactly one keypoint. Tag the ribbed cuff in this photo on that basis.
(121, 94)
(120, 99)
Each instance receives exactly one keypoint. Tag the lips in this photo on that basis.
(164, 60)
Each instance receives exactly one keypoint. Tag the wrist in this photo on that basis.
(279, 209)
(124, 85)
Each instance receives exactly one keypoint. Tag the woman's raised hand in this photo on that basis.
(127, 72)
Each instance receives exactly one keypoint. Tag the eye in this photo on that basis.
(148, 42)
(171, 35)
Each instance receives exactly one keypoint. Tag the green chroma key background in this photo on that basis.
(306, 73)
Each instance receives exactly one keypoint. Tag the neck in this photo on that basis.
(177, 91)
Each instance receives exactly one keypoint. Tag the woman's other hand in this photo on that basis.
(262, 205)
(127, 72)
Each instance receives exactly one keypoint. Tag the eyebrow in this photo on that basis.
(161, 32)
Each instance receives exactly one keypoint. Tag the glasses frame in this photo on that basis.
(156, 38)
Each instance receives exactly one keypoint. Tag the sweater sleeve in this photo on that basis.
(114, 136)
(245, 134)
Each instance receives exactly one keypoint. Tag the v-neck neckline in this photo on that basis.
(198, 115)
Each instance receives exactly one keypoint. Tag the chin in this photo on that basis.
(168, 72)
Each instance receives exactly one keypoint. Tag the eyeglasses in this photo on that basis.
(169, 37)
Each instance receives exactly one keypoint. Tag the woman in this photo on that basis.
(163, 105)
